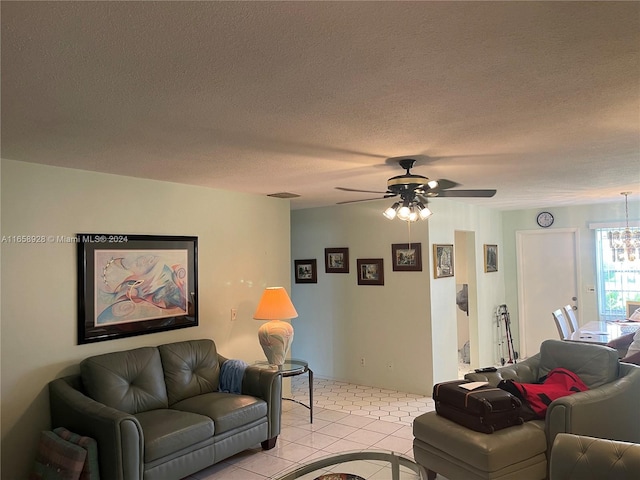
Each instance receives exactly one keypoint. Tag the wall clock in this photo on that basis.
(545, 219)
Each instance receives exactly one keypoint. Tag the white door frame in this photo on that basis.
(520, 235)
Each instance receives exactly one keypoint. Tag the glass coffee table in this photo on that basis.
(358, 465)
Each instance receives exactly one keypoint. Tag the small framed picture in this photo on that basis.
(370, 271)
(306, 271)
(490, 258)
(442, 261)
(633, 311)
(336, 260)
(406, 257)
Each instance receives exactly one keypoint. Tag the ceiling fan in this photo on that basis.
(414, 190)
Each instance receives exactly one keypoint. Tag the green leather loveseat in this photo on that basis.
(156, 412)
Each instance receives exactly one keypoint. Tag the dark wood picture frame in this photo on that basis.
(406, 257)
(306, 271)
(370, 271)
(490, 258)
(443, 265)
(135, 284)
(336, 260)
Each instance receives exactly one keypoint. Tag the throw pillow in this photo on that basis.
(90, 470)
(57, 459)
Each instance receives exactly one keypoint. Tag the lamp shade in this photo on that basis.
(275, 304)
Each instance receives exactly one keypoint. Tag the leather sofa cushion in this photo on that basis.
(191, 368)
(131, 381)
(168, 431)
(594, 364)
(575, 457)
(485, 452)
(228, 410)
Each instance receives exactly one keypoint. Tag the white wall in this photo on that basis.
(487, 289)
(565, 217)
(409, 322)
(243, 247)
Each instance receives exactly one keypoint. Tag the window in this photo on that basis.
(618, 281)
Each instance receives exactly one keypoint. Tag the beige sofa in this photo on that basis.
(577, 457)
(157, 413)
(608, 410)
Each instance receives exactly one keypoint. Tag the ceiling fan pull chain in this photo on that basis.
(409, 227)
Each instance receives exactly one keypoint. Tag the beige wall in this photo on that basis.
(410, 322)
(243, 247)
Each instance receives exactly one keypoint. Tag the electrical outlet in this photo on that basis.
(362, 363)
(234, 314)
(389, 365)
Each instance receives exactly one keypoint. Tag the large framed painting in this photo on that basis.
(407, 257)
(442, 261)
(135, 284)
(370, 271)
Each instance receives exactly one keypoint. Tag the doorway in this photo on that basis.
(547, 280)
(466, 301)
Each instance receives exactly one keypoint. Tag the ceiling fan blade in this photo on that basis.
(344, 189)
(466, 193)
(361, 200)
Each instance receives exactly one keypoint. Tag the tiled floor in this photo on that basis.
(346, 417)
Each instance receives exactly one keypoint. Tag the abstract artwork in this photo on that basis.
(135, 284)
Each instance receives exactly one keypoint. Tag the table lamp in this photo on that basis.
(275, 336)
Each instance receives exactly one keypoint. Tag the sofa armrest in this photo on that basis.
(578, 457)
(266, 384)
(609, 411)
(118, 434)
(526, 372)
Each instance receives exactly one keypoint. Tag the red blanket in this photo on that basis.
(559, 382)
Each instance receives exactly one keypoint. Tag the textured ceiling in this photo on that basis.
(540, 100)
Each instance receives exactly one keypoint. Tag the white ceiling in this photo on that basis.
(540, 100)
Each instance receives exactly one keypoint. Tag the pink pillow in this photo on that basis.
(622, 342)
(633, 358)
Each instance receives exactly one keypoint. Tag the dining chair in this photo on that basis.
(561, 324)
(571, 316)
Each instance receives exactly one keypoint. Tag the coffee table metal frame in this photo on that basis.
(385, 456)
(292, 368)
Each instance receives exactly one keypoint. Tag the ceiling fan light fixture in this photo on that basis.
(423, 211)
(404, 212)
(390, 212)
(432, 184)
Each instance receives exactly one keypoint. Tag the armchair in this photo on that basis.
(577, 457)
(607, 410)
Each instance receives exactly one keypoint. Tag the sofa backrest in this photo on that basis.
(190, 368)
(131, 381)
(594, 364)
